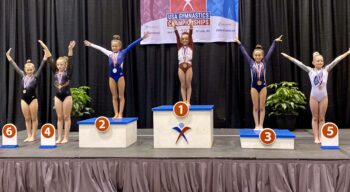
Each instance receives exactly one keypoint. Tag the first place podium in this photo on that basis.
(194, 130)
(121, 133)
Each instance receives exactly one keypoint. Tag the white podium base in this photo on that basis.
(167, 127)
(122, 133)
(250, 139)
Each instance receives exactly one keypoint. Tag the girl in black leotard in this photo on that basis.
(63, 99)
(29, 101)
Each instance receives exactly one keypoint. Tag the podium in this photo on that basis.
(249, 138)
(120, 134)
(193, 131)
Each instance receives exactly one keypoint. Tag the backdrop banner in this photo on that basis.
(213, 20)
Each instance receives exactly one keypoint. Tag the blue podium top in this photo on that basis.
(251, 133)
(192, 108)
(122, 121)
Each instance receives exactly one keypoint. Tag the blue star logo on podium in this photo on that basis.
(181, 129)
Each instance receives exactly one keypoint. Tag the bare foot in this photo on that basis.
(188, 104)
(258, 128)
(120, 117)
(115, 116)
(58, 141)
(64, 141)
(26, 140)
(317, 141)
(31, 139)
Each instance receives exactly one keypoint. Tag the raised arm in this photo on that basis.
(190, 43)
(47, 54)
(272, 47)
(9, 58)
(244, 52)
(133, 44)
(337, 60)
(178, 41)
(297, 62)
(103, 50)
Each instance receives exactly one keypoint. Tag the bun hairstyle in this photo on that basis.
(315, 54)
(29, 64)
(258, 47)
(116, 38)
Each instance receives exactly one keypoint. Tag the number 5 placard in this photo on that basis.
(330, 136)
(47, 136)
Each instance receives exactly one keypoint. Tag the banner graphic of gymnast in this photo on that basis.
(214, 20)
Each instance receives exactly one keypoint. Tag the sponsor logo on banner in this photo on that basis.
(182, 11)
(181, 129)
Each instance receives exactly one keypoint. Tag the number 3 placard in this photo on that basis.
(267, 136)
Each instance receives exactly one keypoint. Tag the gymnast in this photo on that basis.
(318, 79)
(258, 89)
(63, 99)
(29, 101)
(185, 55)
(116, 74)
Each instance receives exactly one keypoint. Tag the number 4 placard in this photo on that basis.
(330, 136)
(9, 136)
(47, 136)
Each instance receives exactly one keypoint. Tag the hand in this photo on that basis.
(279, 39)
(236, 40)
(285, 55)
(173, 24)
(87, 43)
(145, 35)
(8, 54)
(43, 44)
(71, 45)
(47, 54)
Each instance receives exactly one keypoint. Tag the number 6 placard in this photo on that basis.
(9, 136)
(330, 136)
(48, 136)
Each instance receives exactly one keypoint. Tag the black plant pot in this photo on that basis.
(286, 122)
(74, 122)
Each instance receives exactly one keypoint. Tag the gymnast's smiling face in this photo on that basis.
(61, 64)
(29, 69)
(317, 61)
(185, 39)
(116, 45)
(258, 55)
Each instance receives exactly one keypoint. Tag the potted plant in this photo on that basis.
(81, 104)
(285, 103)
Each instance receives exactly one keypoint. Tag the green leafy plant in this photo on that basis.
(81, 102)
(287, 99)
